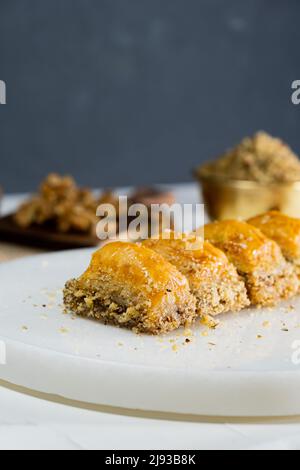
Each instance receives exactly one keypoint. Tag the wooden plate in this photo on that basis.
(47, 238)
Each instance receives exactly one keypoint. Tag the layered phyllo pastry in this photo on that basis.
(213, 280)
(134, 287)
(269, 278)
(285, 231)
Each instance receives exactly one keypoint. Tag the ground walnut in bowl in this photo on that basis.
(262, 173)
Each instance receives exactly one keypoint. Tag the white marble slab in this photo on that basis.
(38, 422)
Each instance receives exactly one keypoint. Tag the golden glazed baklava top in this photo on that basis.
(134, 287)
(283, 229)
(246, 246)
(190, 250)
(213, 280)
(138, 266)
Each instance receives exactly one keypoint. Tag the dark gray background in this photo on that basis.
(122, 92)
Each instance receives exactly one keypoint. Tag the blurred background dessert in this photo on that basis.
(61, 205)
(261, 173)
(63, 215)
(261, 158)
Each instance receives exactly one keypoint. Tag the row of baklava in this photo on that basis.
(160, 284)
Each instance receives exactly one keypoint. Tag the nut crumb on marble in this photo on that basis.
(63, 330)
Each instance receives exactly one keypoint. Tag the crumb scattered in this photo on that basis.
(259, 337)
(188, 332)
(204, 333)
(51, 295)
(24, 328)
(209, 321)
(175, 348)
(212, 344)
(266, 324)
(290, 308)
(187, 340)
(285, 330)
(120, 344)
(44, 317)
(63, 331)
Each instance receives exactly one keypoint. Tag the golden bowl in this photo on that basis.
(233, 199)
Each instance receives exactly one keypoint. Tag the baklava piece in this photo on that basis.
(134, 287)
(285, 231)
(59, 204)
(269, 278)
(213, 280)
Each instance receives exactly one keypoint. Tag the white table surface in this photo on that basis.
(29, 420)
